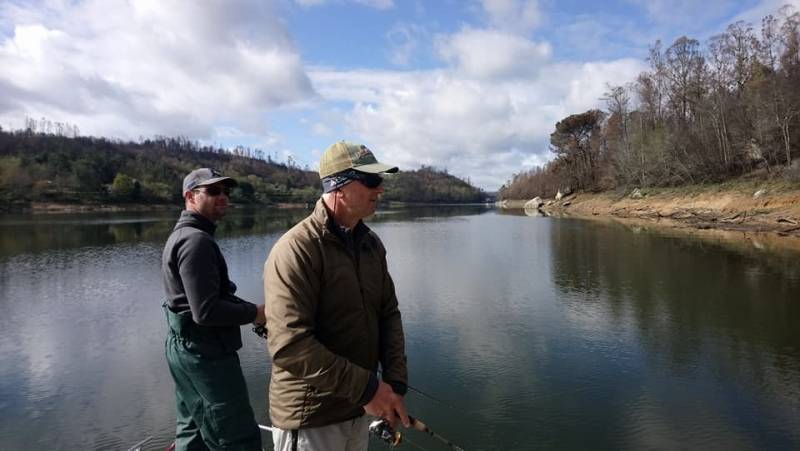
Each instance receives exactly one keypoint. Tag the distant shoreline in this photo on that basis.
(60, 208)
(746, 206)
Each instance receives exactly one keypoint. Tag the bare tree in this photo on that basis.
(684, 70)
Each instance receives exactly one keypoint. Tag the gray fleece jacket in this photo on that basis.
(196, 280)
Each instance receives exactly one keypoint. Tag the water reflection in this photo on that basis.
(535, 332)
(27, 233)
(709, 322)
(35, 233)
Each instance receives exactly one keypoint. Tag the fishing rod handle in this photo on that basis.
(418, 424)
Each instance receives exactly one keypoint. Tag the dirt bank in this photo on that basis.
(756, 206)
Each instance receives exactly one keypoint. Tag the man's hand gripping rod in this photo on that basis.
(380, 428)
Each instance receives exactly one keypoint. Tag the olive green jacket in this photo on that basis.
(332, 317)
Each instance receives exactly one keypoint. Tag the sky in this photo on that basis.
(471, 86)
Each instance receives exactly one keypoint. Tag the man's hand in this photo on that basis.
(261, 318)
(388, 405)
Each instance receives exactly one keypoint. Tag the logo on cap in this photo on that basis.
(362, 152)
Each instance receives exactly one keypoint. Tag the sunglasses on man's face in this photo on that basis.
(368, 180)
(215, 190)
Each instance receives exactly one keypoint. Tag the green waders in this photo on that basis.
(213, 407)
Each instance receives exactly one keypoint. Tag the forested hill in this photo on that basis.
(430, 185)
(701, 113)
(45, 167)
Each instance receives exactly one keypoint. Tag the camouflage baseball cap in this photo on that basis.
(205, 177)
(343, 155)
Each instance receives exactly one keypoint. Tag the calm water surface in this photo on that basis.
(533, 333)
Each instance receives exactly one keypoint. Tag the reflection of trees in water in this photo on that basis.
(40, 233)
(34, 238)
(259, 221)
(688, 298)
(36, 233)
(424, 212)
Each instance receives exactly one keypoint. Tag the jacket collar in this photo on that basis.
(332, 230)
(198, 221)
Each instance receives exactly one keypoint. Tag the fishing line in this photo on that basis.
(415, 445)
(433, 398)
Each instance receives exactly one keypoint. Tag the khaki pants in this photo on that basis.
(350, 435)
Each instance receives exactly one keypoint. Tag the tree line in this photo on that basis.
(50, 162)
(439, 186)
(699, 114)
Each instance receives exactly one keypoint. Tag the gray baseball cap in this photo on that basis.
(205, 177)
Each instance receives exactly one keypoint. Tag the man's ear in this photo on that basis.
(188, 197)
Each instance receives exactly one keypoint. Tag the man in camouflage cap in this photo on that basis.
(333, 317)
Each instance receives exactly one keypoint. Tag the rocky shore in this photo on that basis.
(750, 206)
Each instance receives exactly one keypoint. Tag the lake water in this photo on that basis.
(531, 333)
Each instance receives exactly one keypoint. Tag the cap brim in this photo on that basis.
(376, 168)
(228, 181)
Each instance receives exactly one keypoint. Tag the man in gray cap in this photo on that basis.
(332, 316)
(204, 316)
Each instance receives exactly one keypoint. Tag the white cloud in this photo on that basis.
(321, 129)
(537, 159)
(212, 70)
(677, 11)
(377, 4)
(492, 54)
(517, 16)
(309, 3)
(404, 41)
(759, 11)
(602, 35)
(126, 69)
(486, 129)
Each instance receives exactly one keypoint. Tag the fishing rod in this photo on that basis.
(261, 331)
(422, 427)
(138, 446)
(383, 430)
(433, 398)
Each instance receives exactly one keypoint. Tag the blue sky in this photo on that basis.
(473, 86)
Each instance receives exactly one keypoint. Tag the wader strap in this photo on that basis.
(182, 326)
(294, 439)
(174, 323)
(167, 311)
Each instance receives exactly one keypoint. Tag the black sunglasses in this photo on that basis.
(368, 180)
(215, 190)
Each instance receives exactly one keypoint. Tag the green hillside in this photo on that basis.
(38, 167)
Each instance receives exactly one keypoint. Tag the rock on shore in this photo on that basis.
(745, 206)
